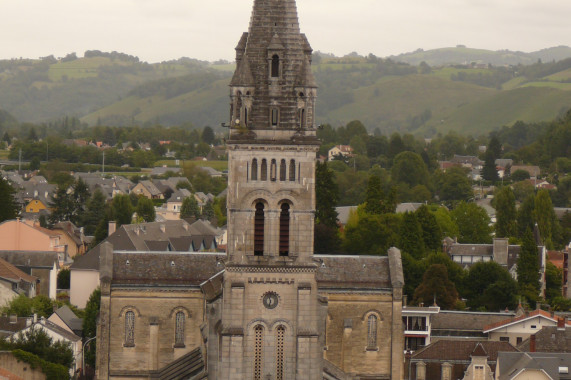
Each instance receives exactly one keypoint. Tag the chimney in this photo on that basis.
(500, 251)
(163, 228)
(112, 227)
(35, 317)
(561, 323)
(532, 343)
(13, 318)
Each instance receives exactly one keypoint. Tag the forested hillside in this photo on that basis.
(117, 89)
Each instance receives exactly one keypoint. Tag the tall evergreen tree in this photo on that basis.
(505, 213)
(489, 171)
(431, 233)
(545, 216)
(326, 196)
(94, 212)
(9, 207)
(411, 239)
(122, 209)
(375, 196)
(525, 216)
(62, 206)
(528, 263)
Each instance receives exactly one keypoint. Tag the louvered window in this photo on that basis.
(129, 329)
(284, 230)
(258, 351)
(264, 170)
(259, 230)
(283, 170)
(254, 169)
(179, 329)
(280, 336)
(275, 115)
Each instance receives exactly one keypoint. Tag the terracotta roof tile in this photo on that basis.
(9, 271)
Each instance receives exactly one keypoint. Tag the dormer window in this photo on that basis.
(275, 72)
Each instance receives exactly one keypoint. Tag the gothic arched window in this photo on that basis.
(258, 351)
(283, 170)
(259, 230)
(292, 170)
(179, 329)
(264, 170)
(372, 332)
(280, 337)
(275, 66)
(129, 329)
(284, 230)
(254, 169)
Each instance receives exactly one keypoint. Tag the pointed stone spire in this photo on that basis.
(273, 88)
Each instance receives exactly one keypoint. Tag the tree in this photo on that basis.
(545, 216)
(445, 223)
(23, 306)
(489, 285)
(505, 213)
(454, 185)
(94, 212)
(375, 195)
(122, 210)
(431, 232)
(189, 208)
(525, 217)
(489, 171)
(372, 234)
(90, 324)
(208, 135)
(207, 211)
(62, 206)
(35, 163)
(409, 168)
(9, 209)
(63, 278)
(473, 223)
(519, 175)
(553, 282)
(437, 287)
(37, 341)
(410, 236)
(528, 263)
(326, 196)
(145, 209)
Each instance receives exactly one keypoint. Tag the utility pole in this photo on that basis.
(103, 162)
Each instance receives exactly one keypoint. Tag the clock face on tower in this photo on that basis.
(270, 300)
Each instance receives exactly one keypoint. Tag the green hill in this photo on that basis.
(117, 89)
(464, 55)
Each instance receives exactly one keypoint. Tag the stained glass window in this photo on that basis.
(179, 329)
(372, 332)
(129, 329)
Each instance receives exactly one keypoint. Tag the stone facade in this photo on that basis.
(270, 309)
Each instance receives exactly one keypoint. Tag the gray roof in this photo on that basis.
(165, 268)
(151, 187)
(550, 339)
(179, 195)
(472, 160)
(44, 323)
(466, 320)
(31, 259)
(512, 363)
(354, 272)
(161, 170)
(407, 207)
(343, 213)
(146, 237)
(69, 318)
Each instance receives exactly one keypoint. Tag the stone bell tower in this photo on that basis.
(269, 311)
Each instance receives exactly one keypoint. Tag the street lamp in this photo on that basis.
(83, 354)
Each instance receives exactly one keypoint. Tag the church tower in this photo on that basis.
(270, 310)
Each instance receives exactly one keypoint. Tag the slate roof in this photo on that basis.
(533, 314)
(31, 259)
(11, 273)
(512, 363)
(355, 272)
(407, 207)
(179, 195)
(464, 320)
(461, 350)
(69, 318)
(165, 268)
(154, 190)
(343, 213)
(44, 323)
(550, 339)
(11, 324)
(150, 237)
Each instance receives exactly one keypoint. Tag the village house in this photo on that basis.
(43, 265)
(340, 150)
(533, 170)
(14, 282)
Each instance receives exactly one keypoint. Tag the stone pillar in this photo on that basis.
(103, 324)
(153, 343)
(446, 371)
(420, 371)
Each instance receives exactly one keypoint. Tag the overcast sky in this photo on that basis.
(158, 30)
